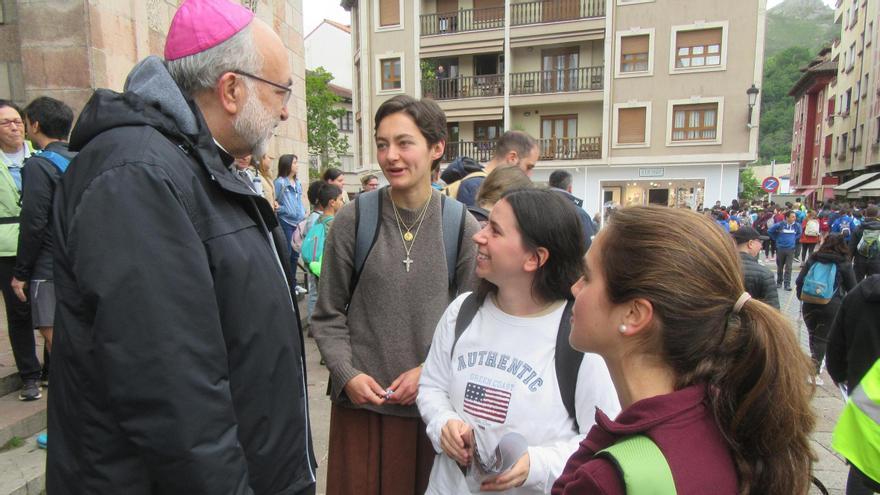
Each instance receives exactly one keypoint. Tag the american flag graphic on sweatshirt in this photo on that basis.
(486, 402)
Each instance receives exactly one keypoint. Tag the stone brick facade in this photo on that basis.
(67, 48)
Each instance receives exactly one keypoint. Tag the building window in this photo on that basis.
(389, 13)
(865, 87)
(851, 57)
(345, 122)
(390, 73)
(869, 34)
(877, 132)
(634, 52)
(698, 48)
(695, 122)
(631, 125)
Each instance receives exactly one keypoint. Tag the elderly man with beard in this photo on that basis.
(178, 360)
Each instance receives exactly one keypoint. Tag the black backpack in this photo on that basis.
(568, 360)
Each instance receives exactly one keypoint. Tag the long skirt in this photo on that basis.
(376, 454)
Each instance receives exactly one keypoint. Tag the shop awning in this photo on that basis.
(846, 186)
(804, 191)
(869, 190)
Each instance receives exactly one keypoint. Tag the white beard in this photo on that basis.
(255, 124)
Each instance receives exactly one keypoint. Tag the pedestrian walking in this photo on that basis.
(392, 263)
(865, 246)
(758, 279)
(835, 272)
(178, 364)
(528, 255)
(291, 207)
(786, 233)
(15, 150)
(812, 231)
(854, 362)
(711, 381)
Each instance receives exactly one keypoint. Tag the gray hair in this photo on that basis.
(201, 71)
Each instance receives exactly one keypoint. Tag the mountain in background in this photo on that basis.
(796, 30)
(804, 23)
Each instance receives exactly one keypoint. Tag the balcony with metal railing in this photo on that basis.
(462, 21)
(542, 11)
(557, 81)
(570, 148)
(521, 14)
(565, 148)
(486, 86)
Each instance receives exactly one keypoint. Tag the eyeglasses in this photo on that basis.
(287, 89)
(9, 122)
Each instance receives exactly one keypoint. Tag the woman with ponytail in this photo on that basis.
(712, 377)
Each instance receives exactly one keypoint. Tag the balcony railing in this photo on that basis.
(480, 151)
(464, 87)
(570, 148)
(462, 20)
(557, 81)
(554, 10)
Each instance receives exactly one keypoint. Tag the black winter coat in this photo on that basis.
(854, 342)
(178, 363)
(39, 179)
(759, 280)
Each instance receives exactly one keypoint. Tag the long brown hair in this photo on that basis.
(754, 368)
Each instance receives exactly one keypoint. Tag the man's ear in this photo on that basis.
(512, 157)
(437, 150)
(230, 88)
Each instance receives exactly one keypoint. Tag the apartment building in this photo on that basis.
(854, 102)
(644, 101)
(812, 139)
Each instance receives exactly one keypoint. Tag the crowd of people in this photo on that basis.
(481, 333)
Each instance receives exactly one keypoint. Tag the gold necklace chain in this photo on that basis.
(408, 235)
(412, 237)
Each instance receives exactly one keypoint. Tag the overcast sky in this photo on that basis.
(774, 3)
(318, 10)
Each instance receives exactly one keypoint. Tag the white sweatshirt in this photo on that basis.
(503, 376)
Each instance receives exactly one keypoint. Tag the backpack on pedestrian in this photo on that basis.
(868, 246)
(313, 245)
(845, 228)
(819, 283)
(812, 228)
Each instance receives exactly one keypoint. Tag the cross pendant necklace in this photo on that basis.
(408, 261)
(409, 236)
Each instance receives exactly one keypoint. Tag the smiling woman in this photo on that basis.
(374, 328)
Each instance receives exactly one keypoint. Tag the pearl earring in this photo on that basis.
(622, 328)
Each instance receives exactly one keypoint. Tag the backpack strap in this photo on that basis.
(56, 159)
(368, 216)
(568, 364)
(466, 313)
(453, 232)
(641, 464)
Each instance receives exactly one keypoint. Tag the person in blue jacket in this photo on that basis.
(786, 235)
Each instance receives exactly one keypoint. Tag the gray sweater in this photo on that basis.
(392, 314)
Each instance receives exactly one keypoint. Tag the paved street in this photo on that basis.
(827, 403)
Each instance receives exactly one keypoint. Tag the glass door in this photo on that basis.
(558, 137)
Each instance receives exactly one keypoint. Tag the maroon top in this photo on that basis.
(684, 429)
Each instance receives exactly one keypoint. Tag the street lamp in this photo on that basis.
(753, 98)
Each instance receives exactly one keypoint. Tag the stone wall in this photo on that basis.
(67, 48)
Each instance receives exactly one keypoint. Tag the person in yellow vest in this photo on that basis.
(853, 360)
(15, 150)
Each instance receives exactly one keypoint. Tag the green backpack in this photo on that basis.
(313, 245)
(868, 245)
(642, 466)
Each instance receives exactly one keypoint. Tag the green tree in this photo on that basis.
(322, 113)
(749, 185)
(781, 72)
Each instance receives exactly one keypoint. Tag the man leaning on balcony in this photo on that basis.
(513, 149)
